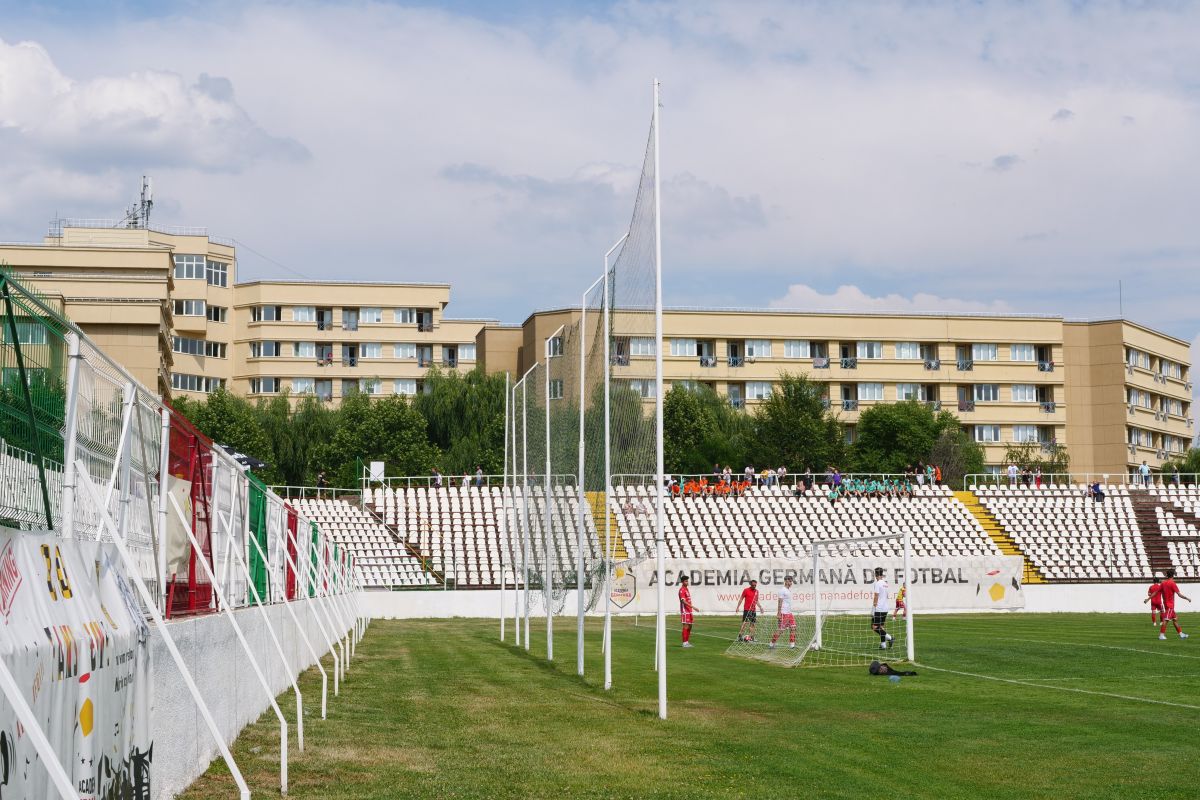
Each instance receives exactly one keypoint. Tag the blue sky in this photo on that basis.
(953, 156)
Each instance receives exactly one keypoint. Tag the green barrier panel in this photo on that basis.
(258, 529)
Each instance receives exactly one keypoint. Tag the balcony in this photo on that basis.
(736, 361)
(1045, 366)
(424, 362)
(425, 327)
(350, 325)
(325, 397)
(820, 362)
(966, 405)
(324, 325)
(450, 363)
(936, 405)
(933, 364)
(966, 364)
(850, 363)
(825, 403)
(619, 360)
(1048, 406)
(349, 361)
(738, 403)
(324, 361)
(708, 361)
(849, 405)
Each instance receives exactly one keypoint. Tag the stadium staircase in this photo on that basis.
(412, 549)
(996, 532)
(598, 501)
(1144, 511)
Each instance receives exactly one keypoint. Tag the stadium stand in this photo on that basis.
(384, 562)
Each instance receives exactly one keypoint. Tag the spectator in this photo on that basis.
(466, 482)
(437, 478)
(1096, 492)
(809, 480)
(1012, 475)
(781, 475)
(1037, 477)
(323, 482)
(920, 473)
(937, 475)
(1175, 476)
(1144, 471)
(479, 476)
(836, 479)
(749, 473)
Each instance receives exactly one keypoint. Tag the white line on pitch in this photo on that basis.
(1060, 688)
(1100, 646)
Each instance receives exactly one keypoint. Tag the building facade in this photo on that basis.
(1113, 393)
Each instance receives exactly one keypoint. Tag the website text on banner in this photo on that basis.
(953, 583)
(76, 643)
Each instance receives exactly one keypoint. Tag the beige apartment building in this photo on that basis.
(331, 339)
(1114, 393)
(154, 299)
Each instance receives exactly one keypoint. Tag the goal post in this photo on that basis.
(833, 618)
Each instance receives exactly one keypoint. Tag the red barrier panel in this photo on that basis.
(190, 461)
(291, 551)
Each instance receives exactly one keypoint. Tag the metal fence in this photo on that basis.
(1082, 479)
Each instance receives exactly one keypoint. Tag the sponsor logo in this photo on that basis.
(624, 588)
(10, 579)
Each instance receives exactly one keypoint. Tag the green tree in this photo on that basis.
(957, 455)
(701, 429)
(464, 413)
(793, 427)
(1050, 458)
(1188, 465)
(893, 436)
(388, 429)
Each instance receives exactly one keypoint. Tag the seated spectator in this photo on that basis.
(1096, 492)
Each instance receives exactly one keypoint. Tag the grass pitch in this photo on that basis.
(1063, 706)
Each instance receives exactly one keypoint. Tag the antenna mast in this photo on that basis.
(138, 215)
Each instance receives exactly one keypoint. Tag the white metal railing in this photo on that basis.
(1082, 479)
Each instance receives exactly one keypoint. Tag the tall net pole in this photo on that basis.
(549, 555)
(609, 543)
(658, 420)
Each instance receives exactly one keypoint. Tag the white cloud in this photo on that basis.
(851, 298)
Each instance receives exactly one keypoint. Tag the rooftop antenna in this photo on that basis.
(138, 215)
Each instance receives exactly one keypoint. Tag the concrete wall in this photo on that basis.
(183, 746)
(1086, 597)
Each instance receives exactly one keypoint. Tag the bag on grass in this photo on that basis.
(879, 668)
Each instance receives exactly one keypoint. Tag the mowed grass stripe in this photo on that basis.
(442, 709)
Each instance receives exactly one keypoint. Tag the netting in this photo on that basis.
(835, 612)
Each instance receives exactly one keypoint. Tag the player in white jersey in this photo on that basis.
(787, 620)
(880, 606)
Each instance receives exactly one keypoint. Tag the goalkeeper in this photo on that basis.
(880, 609)
(749, 605)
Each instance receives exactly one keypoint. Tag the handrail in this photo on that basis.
(1072, 479)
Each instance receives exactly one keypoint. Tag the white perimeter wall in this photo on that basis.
(183, 746)
(1078, 597)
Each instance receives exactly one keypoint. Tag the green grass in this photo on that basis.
(441, 709)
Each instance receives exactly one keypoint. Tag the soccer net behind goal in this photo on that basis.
(837, 611)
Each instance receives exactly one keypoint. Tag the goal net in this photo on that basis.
(841, 612)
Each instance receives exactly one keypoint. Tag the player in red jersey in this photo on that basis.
(1154, 598)
(685, 610)
(749, 605)
(1169, 592)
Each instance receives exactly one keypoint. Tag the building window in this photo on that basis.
(217, 273)
(758, 348)
(870, 391)
(987, 433)
(1024, 393)
(868, 350)
(195, 383)
(987, 392)
(1024, 434)
(1171, 369)
(264, 385)
(189, 267)
(758, 390)
(641, 346)
(304, 314)
(404, 350)
(556, 389)
(1023, 352)
(304, 386)
(1137, 358)
(304, 349)
(984, 352)
(405, 316)
(27, 333)
(216, 313)
(266, 313)
(370, 386)
(796, 348)
(189, 308)
(370, 350)
(466, 352)
(370, 315)
(197, 347)
(683, 347)
(644, 387)
(910, 391)
(406, 386)
(265, 350)
(909, 351)
(554, 346)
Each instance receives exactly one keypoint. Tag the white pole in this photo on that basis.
(164, 486)
(579, 480)
(70, 433)
(503, 504)
(609, 546)
(547, 520)
(312, 651)
(659, 525)
(525, 498)
(816, 584)
(908, 614)
(237, 630)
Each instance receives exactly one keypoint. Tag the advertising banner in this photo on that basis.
(75, 640)
(951, 583)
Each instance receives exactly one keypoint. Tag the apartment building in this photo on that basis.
(155, 299)
(331, 339)
(1009, 378)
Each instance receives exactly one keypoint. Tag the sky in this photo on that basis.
(973, 156)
